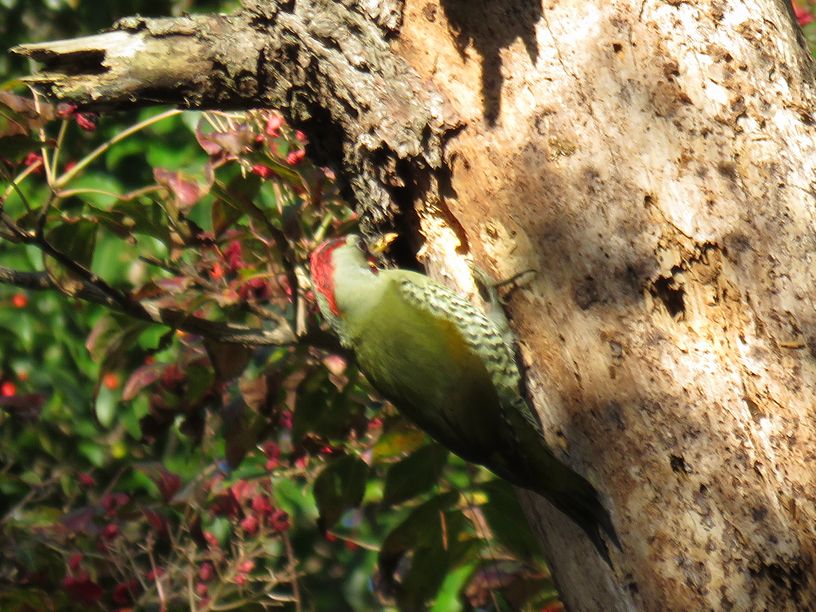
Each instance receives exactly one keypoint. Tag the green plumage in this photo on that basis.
(447, 367)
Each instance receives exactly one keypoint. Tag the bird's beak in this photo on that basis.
(379, 245)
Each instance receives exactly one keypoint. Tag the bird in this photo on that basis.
(451, 370)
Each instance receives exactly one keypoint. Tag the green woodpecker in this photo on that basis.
(448, 368)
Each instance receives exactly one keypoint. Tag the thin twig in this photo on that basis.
(290, 556)
(118, 196)
(156, 577)
(15, 182)
(49, 173)
(90, 157)
(58, 147)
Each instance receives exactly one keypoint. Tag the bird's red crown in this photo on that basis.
(322, 271)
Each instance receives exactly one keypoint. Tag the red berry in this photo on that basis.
(86, 480)
(113, 501)
(74, 561)
(123, 592)
(201, 589)
(110, 531)
(261, 505)
(34, 159)
(295, 157)
(300, 136)
(246, 566)
(233, 256)
(240, 579)
(286, 419)
(152, 575)
(279, 521)
(8, 389)
(249, 525)
(243, 490)
(110, 381)
(210, 538)
(65, 110)
(271, 450)
(217, 271)
(206, 571)
(19, 300)
(87, 121)
(273, 125)
(263, 171)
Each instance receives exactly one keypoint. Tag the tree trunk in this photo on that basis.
(657, 170)
(654, 162)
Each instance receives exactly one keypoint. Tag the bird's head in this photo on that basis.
(338, 258)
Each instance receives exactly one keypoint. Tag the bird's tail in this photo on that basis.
(580, 501)
(570, 492)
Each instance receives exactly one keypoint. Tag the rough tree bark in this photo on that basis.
(654, 161)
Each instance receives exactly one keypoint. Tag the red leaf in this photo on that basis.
(26, 407)
(169, 484)
(143, 377)
(231, 144)
(186, 191)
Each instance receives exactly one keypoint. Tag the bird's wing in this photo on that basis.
(481, 335)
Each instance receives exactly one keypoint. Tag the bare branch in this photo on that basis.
(150, 61)
(324, 64)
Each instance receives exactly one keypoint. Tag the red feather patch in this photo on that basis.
(322, 271)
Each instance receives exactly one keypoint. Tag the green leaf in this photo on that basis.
(112, 337)
(15, 146)
(415, 474)
(106, 402)
(199, 380)
(102, 188)
(436, 534)
(422, 527)
(37, 517)
(146, 218)
(339, 487)
(76, 241)
(229, 360)
(400, 438)
(93, 452)
(447, 599)
(242, 426)
(507, 521)
(320, 409)
(429, 567)
(233, 201)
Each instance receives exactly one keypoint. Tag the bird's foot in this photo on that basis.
(489, 292)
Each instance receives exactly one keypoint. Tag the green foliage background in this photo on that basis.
(135, 456)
